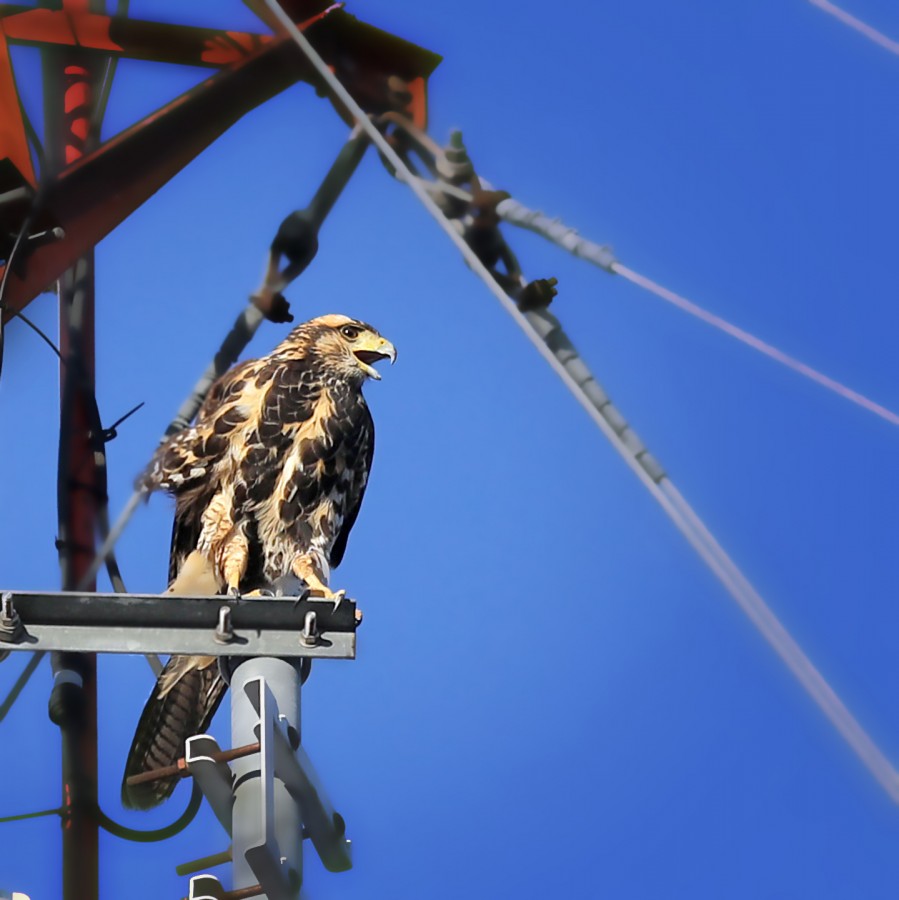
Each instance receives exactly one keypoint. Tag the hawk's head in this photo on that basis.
(345, 345)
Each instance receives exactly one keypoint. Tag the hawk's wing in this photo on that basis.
(189, 689)
(360, 467)
(196, 456)
(185, 534)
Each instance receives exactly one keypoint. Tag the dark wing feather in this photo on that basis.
(186, 528)
(361, 466)
(184, 539)
(187, 708)
(165, 724)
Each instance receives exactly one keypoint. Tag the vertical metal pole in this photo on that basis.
(69, 82)
(283, 680)
(73, 702)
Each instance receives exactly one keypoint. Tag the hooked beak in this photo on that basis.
(372, 350)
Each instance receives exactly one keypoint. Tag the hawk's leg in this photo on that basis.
(223, 542)
(304, 567)
(232, 559)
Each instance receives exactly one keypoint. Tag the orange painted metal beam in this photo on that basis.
(13, 143)
(94, 194)
(130, 38)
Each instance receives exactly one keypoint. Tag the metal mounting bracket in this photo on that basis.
(281, 758)
(325, 827)
(208, 626)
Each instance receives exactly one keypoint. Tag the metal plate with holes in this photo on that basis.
(132, 623)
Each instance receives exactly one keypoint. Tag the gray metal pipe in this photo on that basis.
(282, 678)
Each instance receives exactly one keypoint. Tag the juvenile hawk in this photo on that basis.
(267, 483)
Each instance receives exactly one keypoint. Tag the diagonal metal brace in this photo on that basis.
(264, 857)
(282, 758)
(213, 777)
(292, 765)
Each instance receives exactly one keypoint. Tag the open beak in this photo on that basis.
(371, 349)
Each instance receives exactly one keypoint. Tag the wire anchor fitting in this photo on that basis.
(297, 237)
(468, 203)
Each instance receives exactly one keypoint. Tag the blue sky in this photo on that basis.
(552, 696)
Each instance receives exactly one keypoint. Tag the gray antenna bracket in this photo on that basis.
(279, 794)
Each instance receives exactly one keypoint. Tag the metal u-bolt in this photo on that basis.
(309, 637)
(224, 631)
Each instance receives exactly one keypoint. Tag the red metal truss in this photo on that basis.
(13, 142)
(131, 38)
(92, 195)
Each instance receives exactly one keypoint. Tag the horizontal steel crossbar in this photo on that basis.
(212, 626)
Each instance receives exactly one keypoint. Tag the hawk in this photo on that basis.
(267, 483)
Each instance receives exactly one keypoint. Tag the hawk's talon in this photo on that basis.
(234, 592)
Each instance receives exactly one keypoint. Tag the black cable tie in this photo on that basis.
(64, 546)
(111, 433)
(95, 490)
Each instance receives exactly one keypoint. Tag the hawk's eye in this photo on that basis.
(350, 332)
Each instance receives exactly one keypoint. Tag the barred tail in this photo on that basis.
(183, 702)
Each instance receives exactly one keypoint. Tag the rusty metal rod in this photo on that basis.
(205, 862)
(180, 767)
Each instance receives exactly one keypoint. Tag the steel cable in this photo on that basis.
(756, 343)
(680, 513)
(871, 33)
(568, 239)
